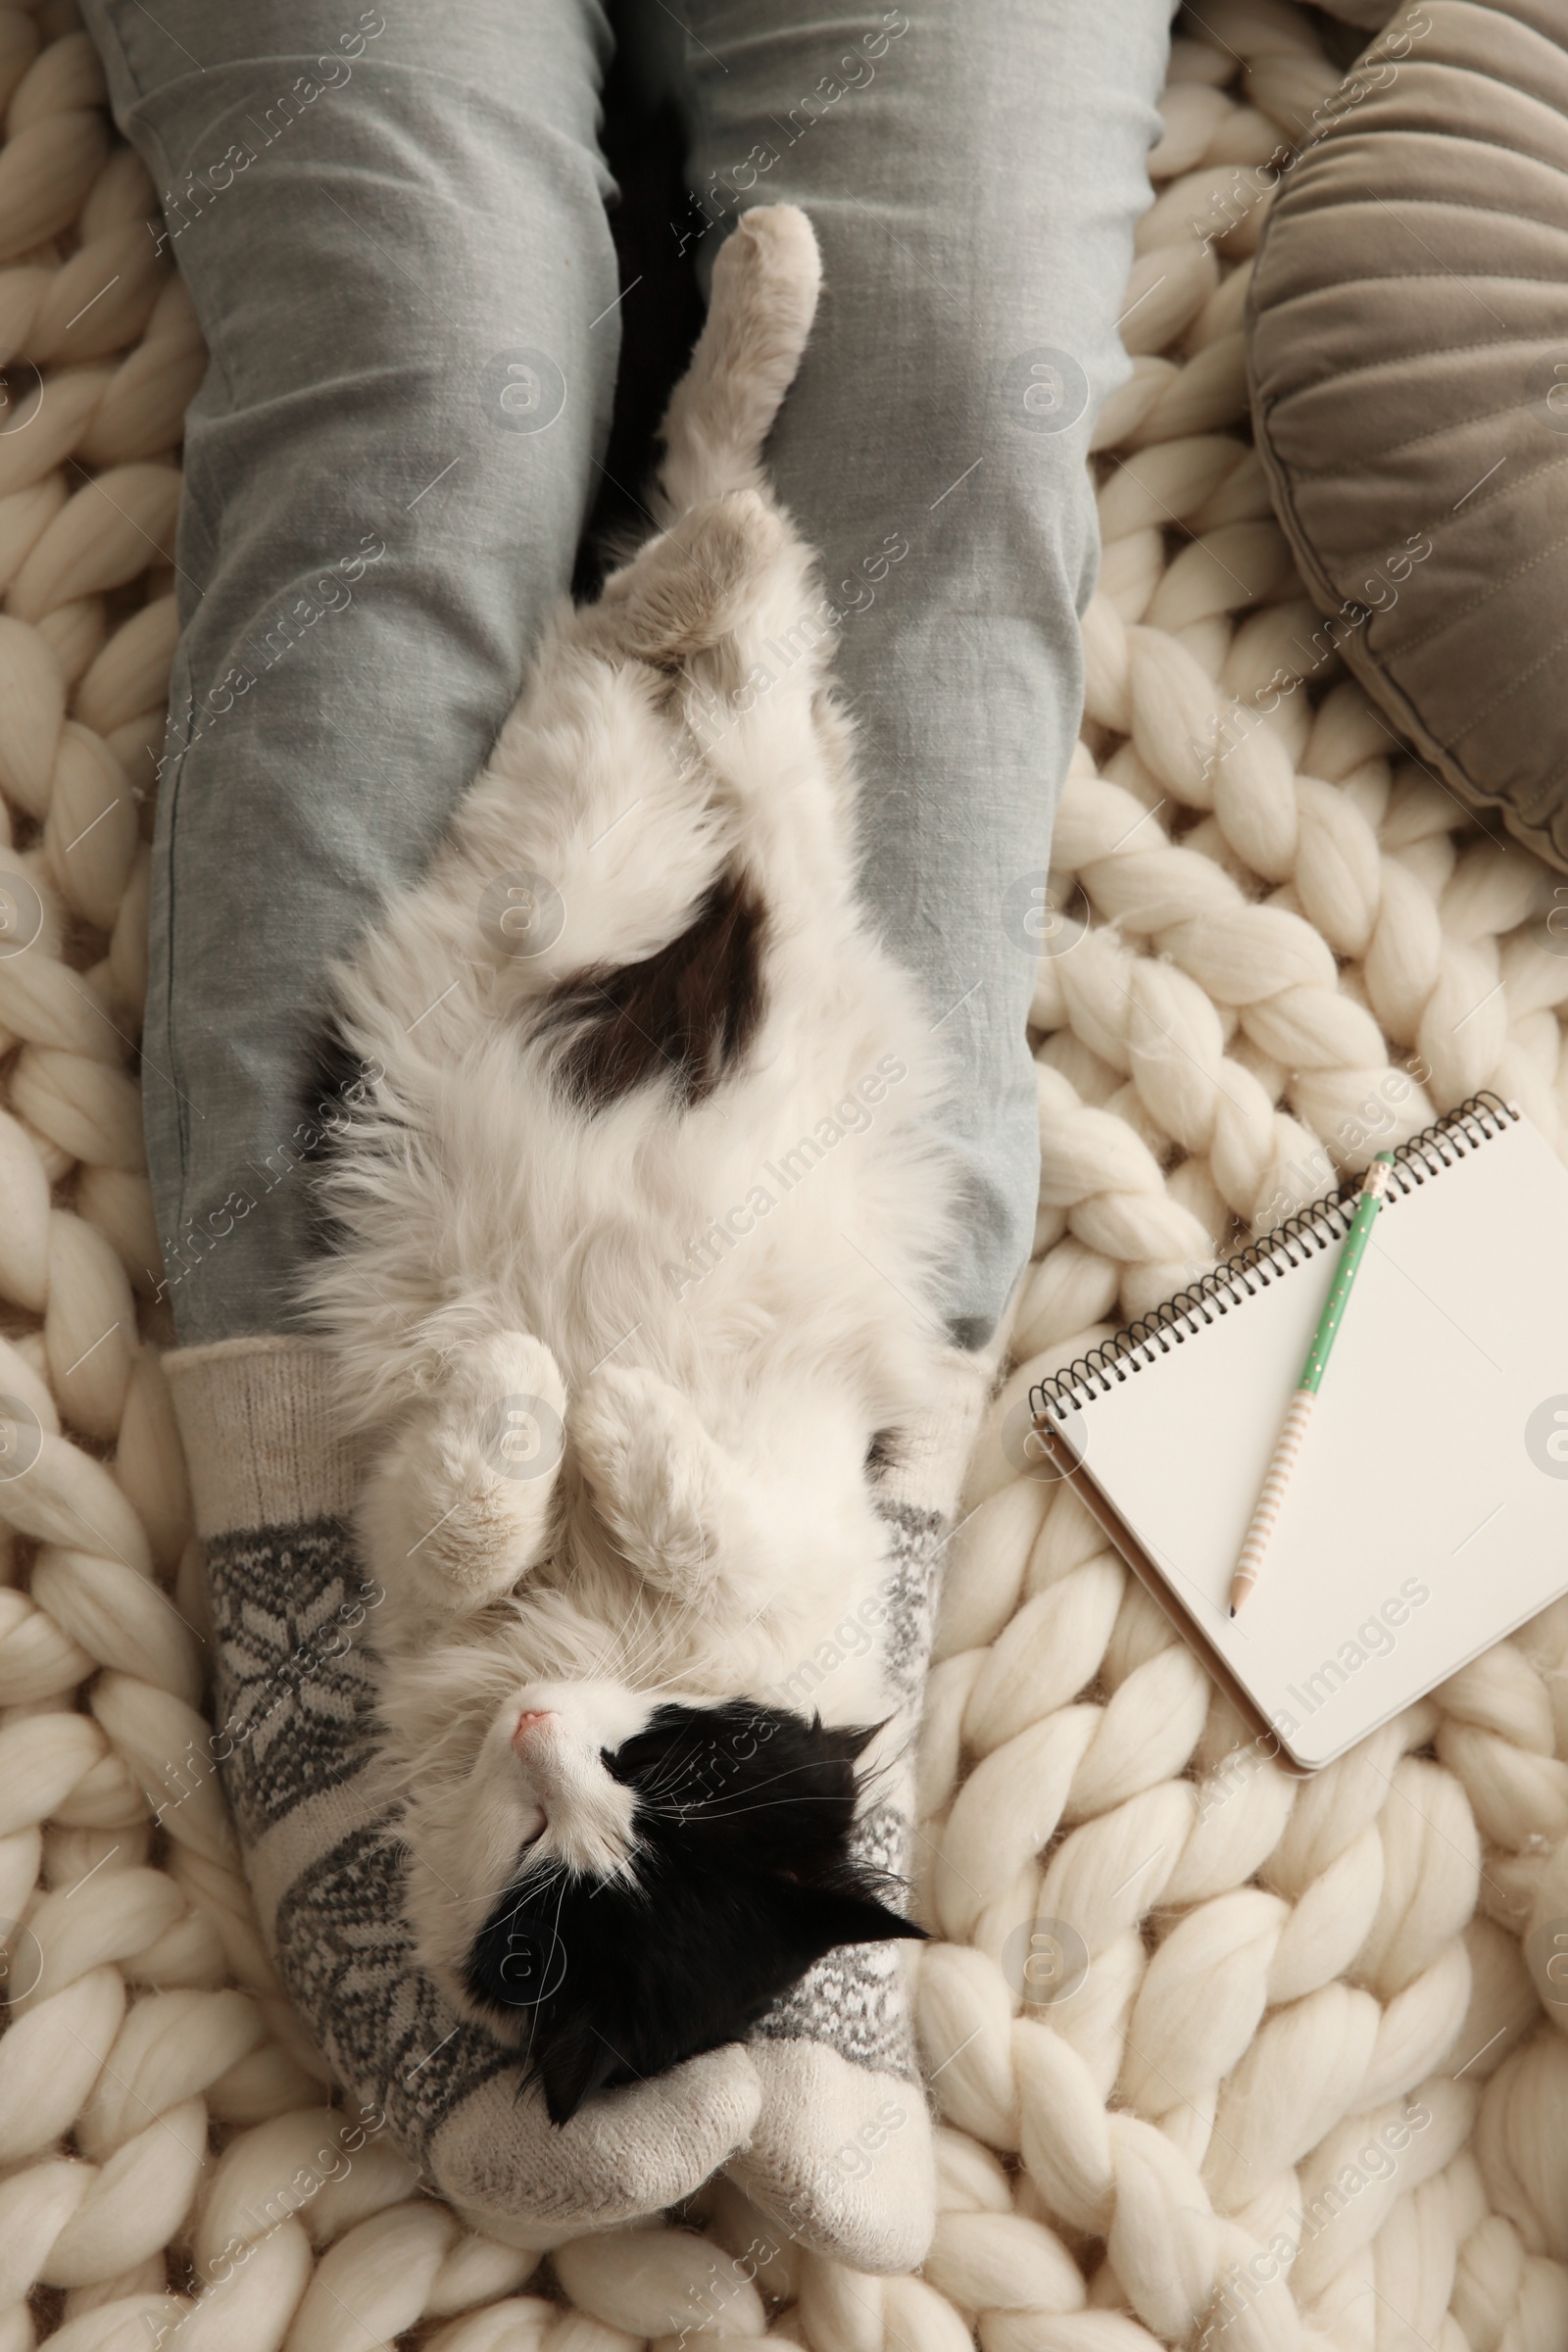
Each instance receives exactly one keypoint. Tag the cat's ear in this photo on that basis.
(570, 2067)
(846, 1742)
(824, 1917)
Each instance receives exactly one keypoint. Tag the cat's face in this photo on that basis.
(649, 1875)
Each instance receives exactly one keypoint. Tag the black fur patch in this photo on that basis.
(743, 1879)
(884, 1453)
(685, 1014)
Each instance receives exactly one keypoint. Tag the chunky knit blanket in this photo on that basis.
(1216, 2055)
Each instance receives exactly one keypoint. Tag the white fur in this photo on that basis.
(709, 1518)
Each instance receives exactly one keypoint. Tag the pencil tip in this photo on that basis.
(1233, 1608)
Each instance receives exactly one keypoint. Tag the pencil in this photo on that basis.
(1287, 1446)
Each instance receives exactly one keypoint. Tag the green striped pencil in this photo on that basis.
(1288, 1443)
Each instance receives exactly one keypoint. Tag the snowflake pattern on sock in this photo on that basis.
(291, 1611)
(296, 1703)
(347, 1958)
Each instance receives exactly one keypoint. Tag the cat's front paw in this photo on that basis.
(460, 1499)
(652, 1471)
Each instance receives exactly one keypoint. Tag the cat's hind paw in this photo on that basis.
(654, 1473)
(460, 1498)
(769, 268)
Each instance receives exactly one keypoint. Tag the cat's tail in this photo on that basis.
(766, 283)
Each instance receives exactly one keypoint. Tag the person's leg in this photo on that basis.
(973, 170)
(973, 173)
(393, 230)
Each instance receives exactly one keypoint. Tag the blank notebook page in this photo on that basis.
(1428, 1514)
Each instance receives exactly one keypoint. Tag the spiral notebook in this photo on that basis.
(1428, 1515)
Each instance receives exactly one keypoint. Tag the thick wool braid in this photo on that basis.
(1271, 1970)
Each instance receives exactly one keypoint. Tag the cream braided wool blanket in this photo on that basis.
(1186, 2016)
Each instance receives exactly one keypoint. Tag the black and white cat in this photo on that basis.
(631, 1222)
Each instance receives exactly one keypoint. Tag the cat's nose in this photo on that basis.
(530, 1721)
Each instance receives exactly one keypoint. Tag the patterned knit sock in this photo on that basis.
(842, 2154)
(272, 1493)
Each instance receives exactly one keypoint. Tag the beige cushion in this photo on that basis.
(1408, 360)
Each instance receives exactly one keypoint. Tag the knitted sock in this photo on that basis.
(272, 1493)
(842, 2154)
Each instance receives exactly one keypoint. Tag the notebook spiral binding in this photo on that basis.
(1321, 1227)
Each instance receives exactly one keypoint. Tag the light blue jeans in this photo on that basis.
(393, 223)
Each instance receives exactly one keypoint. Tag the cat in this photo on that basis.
(631, 1218)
